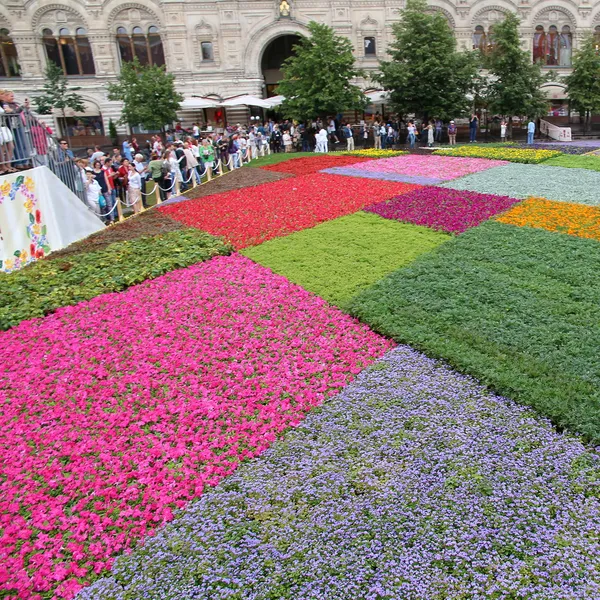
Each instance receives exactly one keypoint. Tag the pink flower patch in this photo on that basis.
(119, 410)
(438, 167)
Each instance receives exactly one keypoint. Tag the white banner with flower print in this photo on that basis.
(39, 214)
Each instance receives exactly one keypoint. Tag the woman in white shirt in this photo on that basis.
(134, 189)
(191, 160)
(92, 191)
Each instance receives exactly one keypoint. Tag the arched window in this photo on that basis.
(597, 36)
(370, 47)
(146, 47)
(552, 46)
(9, 63)
(72, 53)
(565, 46)
(479, 38)
(539, 45)
(207, 51)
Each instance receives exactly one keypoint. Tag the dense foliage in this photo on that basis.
(414, 483)
(339, 258)
(518, 308)
(47, 285)
(147, 93)
(425, 74)
(316, 79)
(514, 83)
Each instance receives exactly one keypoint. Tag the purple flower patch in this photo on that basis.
(352, 172)
(449, 210)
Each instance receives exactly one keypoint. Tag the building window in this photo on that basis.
(370, 48)
(72, 53)
(146, 47)
(551, 48)
(597, 36)
(9, 62)
(479, 38)
(207, 51)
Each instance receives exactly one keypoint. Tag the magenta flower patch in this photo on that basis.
(435, 167)
(119, 410)
(446, 209)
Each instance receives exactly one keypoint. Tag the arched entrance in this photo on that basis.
(273, 56)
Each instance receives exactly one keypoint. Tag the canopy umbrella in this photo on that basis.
(378, 97)
(198, 103)
(246, 100)
(275, 101)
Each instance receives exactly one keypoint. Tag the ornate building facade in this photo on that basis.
(222, 48)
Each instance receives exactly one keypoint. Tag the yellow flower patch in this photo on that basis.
(518, 155)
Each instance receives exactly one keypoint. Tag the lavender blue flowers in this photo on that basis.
(351, 172)
(413, 483)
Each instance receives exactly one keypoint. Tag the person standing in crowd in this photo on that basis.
(287, 141)
(389, 139)
(6, 144)
(503, 130)
(376, 138)
(127, 151)
(111, 198)
(107, 213)
(191, 162)
(473, 123)
(430, 134)
(92, 191)
(39, 135)
(276, 139)
(530, 131)
(322, 138)
(412, 134)
(452, 133)
(182, 164)
(22, 149)
(155, 166)
(349, 135)
(439, 125)
(304, 136)
(207, 154)
(121, 179)
(134, 190)
(97, 154)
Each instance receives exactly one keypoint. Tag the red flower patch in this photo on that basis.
(313, 164)
(250, 216)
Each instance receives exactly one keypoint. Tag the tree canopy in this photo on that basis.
(426, 75)
(316, 80)
(148, 95)
(56, 93)
(514, 84)
(583, 84)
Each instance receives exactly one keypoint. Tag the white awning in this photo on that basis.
(246, 100)
(554, 91)
(198, 103)
(275, 100)
(378, 97)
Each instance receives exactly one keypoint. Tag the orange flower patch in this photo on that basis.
(564, 217)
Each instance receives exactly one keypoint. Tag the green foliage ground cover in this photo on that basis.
(276, 158)
(518, 308)
(47, 285)
(591, 163)
(340, 258)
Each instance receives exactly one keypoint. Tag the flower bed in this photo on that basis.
(444, 209)
(399, 177)
(515, 155)
(375, 153)
(251, 216)
(591, 163)
(128, 406)
(339, 258)
(414, 483)
(518, 308)
(563, 148)
(438, 167)
(313, 164)
(523, 181)
(562, 217)
(47, 285)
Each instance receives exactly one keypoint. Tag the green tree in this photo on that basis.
(148, 95)
(426, 76)
(56, 94)
(514, 83)
(316, 80)
(583, 84)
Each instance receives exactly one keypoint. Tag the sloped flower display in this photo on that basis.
(119, 410)
(251, 216)
(413, 484)
(448, 210)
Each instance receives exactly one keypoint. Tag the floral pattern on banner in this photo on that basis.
(36, 229)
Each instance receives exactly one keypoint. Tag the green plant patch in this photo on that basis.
(340, 258)
(276, 158)
(47, 285)
(591, 163)
(518, 308)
